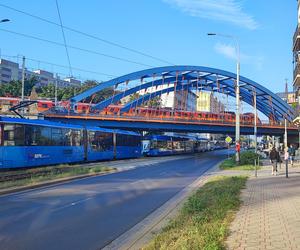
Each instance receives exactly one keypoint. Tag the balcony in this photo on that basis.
(296, 40)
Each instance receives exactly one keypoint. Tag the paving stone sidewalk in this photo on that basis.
(269, 217)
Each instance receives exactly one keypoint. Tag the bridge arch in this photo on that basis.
(190, 77)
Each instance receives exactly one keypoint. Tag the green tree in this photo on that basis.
(154, 102)
(14, 88)
(134, 96)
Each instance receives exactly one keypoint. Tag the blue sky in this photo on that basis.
(173, 30)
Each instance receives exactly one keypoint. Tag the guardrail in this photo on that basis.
(171, 119)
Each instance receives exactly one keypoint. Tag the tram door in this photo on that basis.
(115, 145)
(85, 143)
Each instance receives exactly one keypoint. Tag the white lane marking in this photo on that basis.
(72, 204)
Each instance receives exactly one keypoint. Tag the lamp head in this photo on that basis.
(4, 20)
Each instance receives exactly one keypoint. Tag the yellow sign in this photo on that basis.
(228, 139)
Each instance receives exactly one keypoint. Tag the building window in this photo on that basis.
(4, 75)
(44, 79)
(6, 69)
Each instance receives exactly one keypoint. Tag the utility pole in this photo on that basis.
(23, 81)
(237, 114)
(255, 121)
(237, 92)
(56, 83)
(286, 149)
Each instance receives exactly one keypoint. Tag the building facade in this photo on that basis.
(179, 100)
(289, 97)
(296, 55)
(207, 102)
(11, 71)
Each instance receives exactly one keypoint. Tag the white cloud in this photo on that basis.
(226, 50)
(229, 51)
(230, 11)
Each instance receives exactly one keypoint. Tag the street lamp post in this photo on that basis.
(286, 149)
(255, 120)
(237, 92)
(23, 83)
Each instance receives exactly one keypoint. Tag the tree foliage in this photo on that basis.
(14, 89)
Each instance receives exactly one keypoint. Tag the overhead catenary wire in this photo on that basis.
(64, 37)
(75, 48)
(59, 65)
(88, 35)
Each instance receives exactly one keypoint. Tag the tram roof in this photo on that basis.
(168, 137)
(4, 119)
(37, 122)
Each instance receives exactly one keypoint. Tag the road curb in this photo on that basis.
(142, 232)
(54, 182)
(65, 179)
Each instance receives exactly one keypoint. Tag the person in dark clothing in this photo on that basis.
(292, 153)
(275, 158)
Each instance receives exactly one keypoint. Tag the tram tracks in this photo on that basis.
(50, 172)
(6, 177)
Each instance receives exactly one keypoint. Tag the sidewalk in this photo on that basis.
(269, 217)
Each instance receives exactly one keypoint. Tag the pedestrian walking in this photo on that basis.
(274, 158)
(279, 160)
(292, 153)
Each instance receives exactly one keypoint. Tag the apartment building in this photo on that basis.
(11, 71)
(296, 55)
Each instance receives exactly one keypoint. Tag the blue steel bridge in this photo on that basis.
(141, 88)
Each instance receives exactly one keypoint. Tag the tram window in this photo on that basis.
(67, 137)
(100, 141)
(44, 136)
(128, 140)
(37, 136)
(162, 145)
(189, 145)
(57, 137)
(71, 137)
(153, 144)
(169, 145)
(76, 138)
(13, 135)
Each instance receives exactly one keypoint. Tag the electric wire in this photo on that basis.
(59, 65)
(64, 37)
(88, 35)
(75, 48)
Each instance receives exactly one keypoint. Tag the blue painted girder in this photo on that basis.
(280, 108)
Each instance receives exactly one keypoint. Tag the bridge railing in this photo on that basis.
(261, 123)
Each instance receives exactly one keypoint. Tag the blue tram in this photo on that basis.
(29, 143)
(158, 145)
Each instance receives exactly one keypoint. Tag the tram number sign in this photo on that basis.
(228, 139)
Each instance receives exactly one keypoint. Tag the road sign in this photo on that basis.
(228, 139)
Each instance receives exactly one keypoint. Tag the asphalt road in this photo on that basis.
(90, 213)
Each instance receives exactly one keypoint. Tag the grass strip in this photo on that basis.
(247, 160)
(229, 164)
(203, 222)
(54, 174)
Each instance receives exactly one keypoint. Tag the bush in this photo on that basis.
(248, 157)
